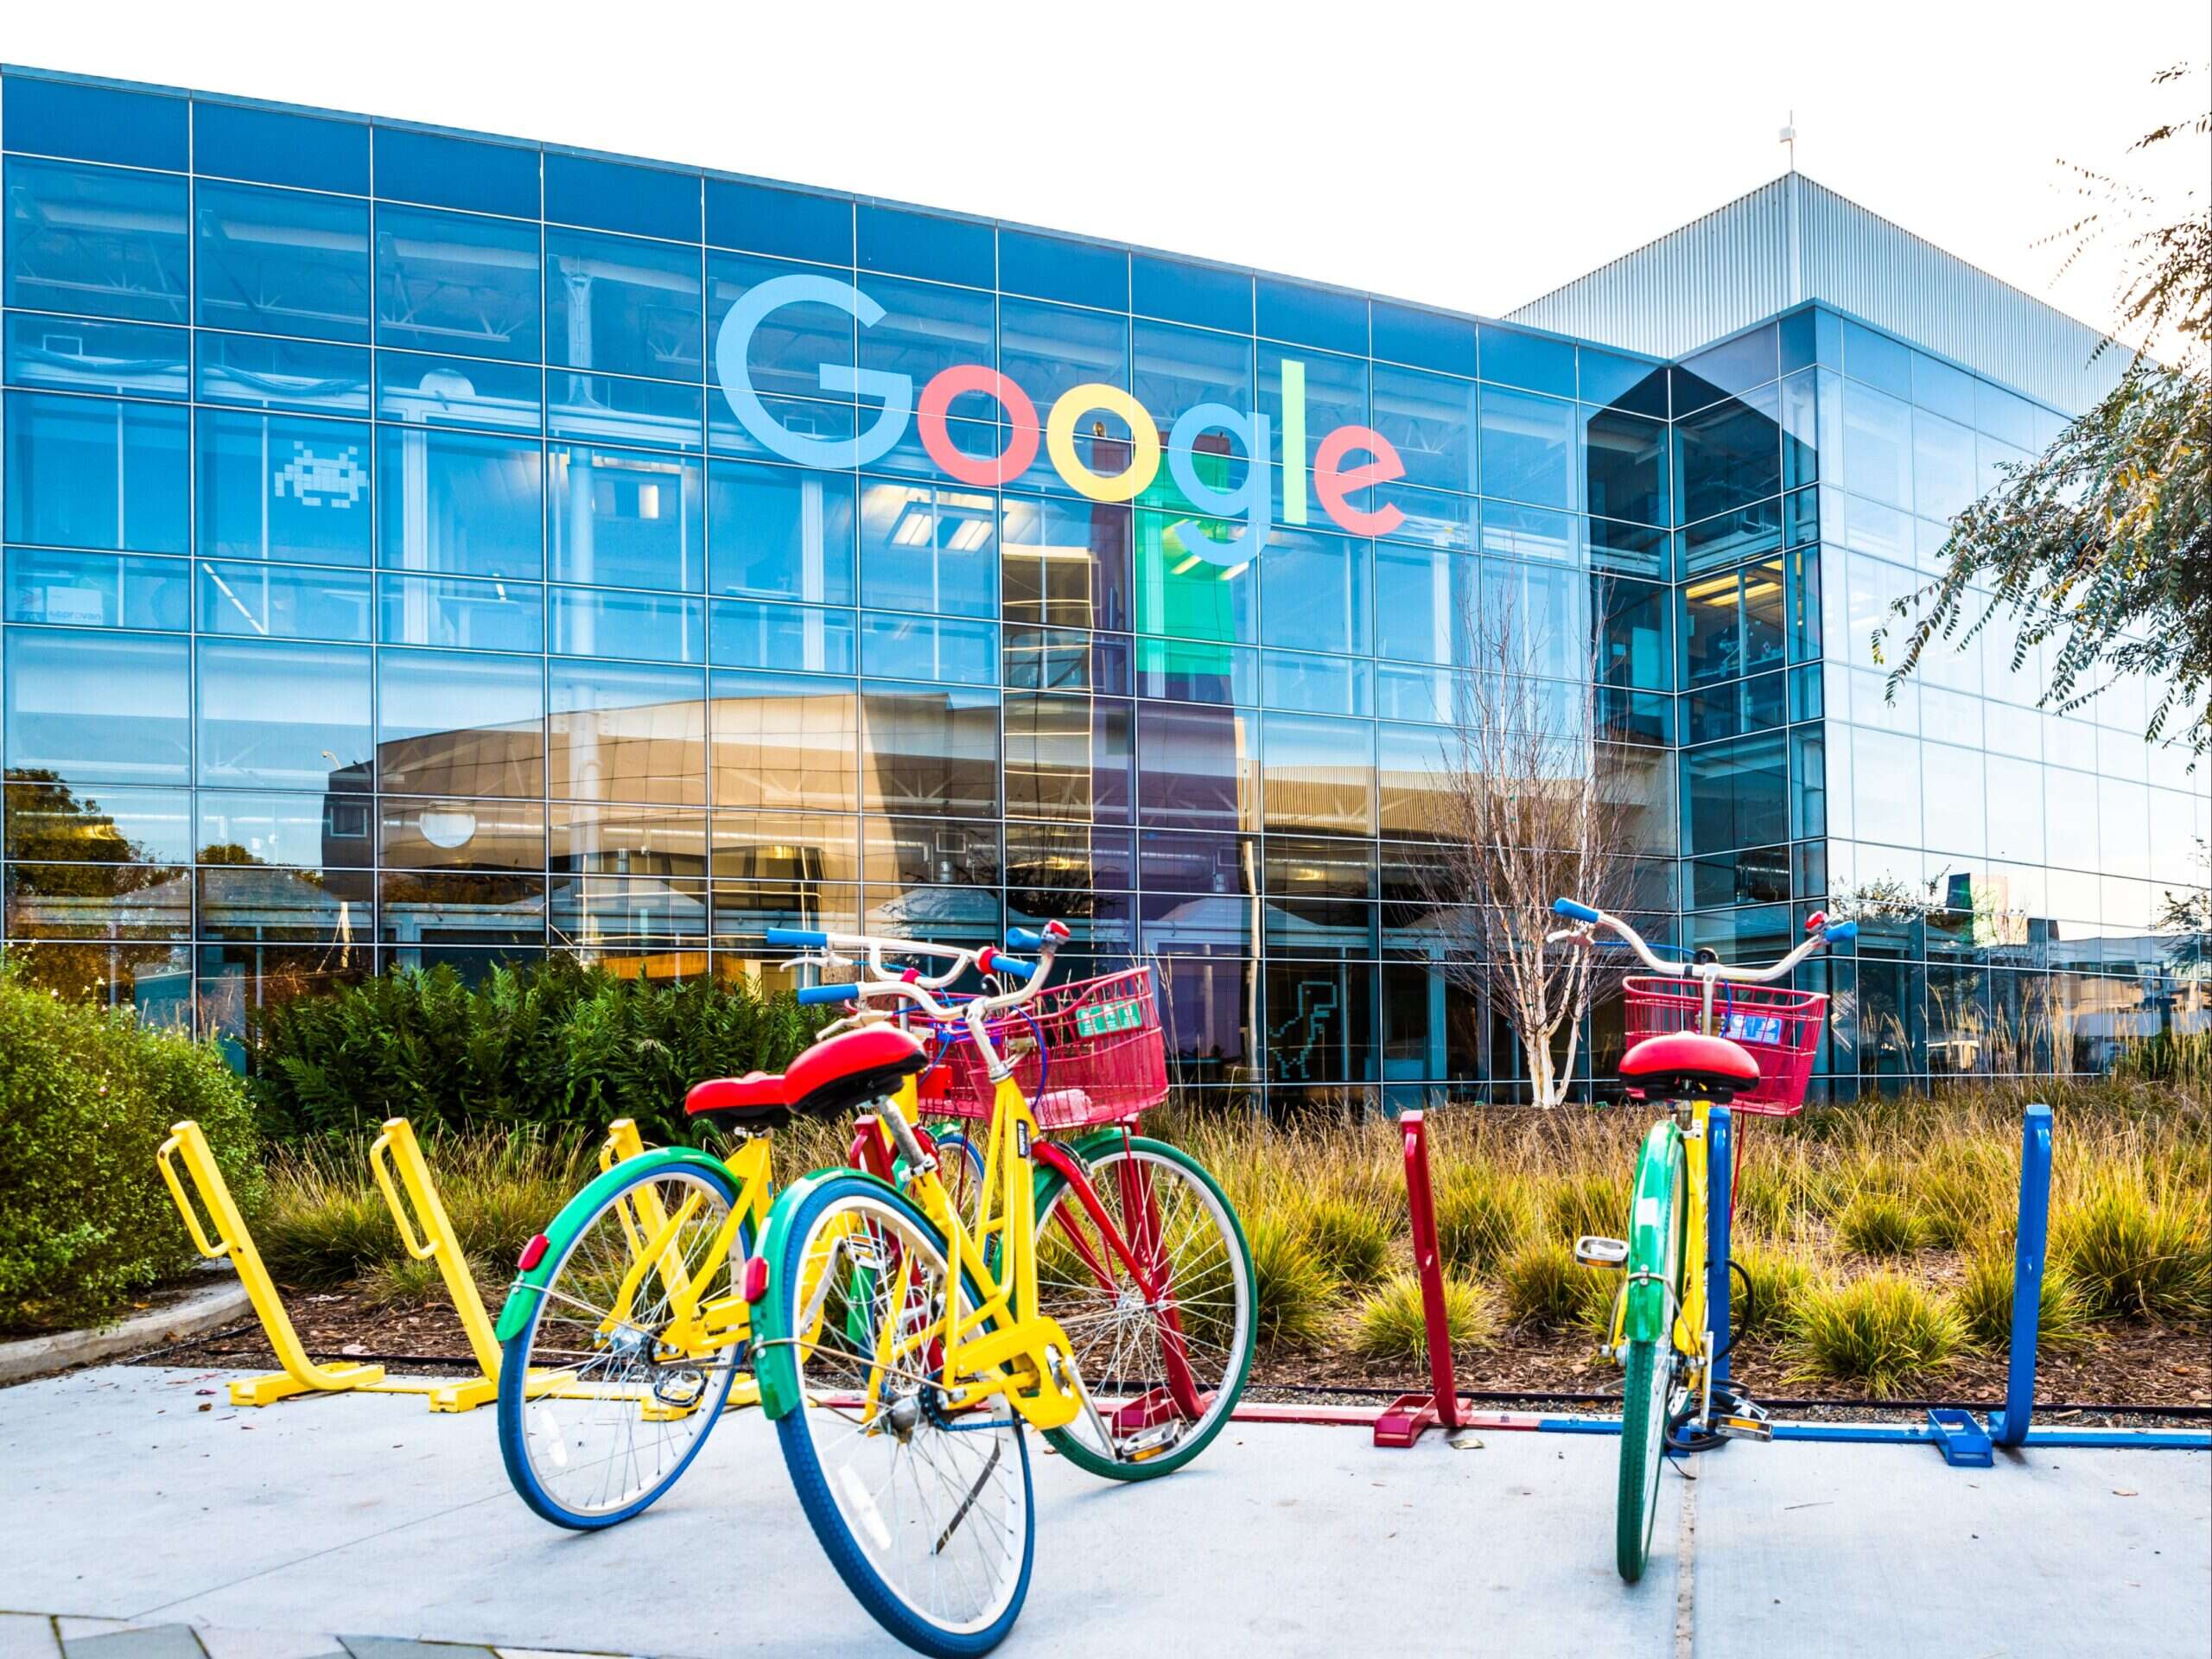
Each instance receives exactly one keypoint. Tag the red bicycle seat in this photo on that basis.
(839, 1072)
(1689, 1062)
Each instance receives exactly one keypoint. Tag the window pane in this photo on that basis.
(50, 823)
(927, 328)
(1178, 369)
(455, 282)
(243, 826)
(659, 628)
(1069, 758)
(753, 633)
(600, 407)
(98, 706)
(451, 909)
(626, 520)
(74, 901)
(277, 486)
(1877, 444)
(625, 732)
(928, 648)
(283, 717)
(622, 305)
(455, 611)
(78, 354)
(265, 374)
(1336, 394)
(785, 740)
(422, 389)
(781, 532)
(1185, 585)
(284, 602)
(97, 590)
(450, 724)
(275, 262)
(455, 835)
(1065, 563)
(91, 239)
(1314, 592)
(1527, 447)
(793, 342)
(929, 750)
(1320, 774)
(1047, 350)
(1197, 767)
(453, 501)
(928, 549)
(1943, 467)
(1430, 419)
(90, 472)
(1624, 467)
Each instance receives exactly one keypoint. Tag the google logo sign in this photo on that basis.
(1348, 460)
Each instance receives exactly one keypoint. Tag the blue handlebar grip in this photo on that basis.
(814, 993)
(997, 962)
(1839, 931)
(1024, 938)
(1579, 912)
(798, 938)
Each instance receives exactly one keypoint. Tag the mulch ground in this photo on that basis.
(2142, 1367)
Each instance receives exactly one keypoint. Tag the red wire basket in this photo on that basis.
(1778, 1028)
(1087, 1051)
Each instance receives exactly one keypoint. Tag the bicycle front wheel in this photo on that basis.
(925, 1511)
(600, 1411)
(1145, 1266)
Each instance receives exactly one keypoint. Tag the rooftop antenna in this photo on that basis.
(1789, 137)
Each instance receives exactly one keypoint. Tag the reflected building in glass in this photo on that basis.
(408, 559)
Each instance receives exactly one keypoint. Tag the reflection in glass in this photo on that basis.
(783, 740)
(622, 732)
(459, 503)
(97, 590)
(283, 717)
(449, 723)
(87, 706)
(96, 239)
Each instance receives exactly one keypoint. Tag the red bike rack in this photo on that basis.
(1401, 1424)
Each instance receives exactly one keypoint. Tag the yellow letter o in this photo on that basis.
(1144, 446)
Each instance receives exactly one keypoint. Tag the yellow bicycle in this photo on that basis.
(1101, 1292)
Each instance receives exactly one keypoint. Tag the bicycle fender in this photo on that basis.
(774, 1369)
(528, 1286)
(1647, 1314)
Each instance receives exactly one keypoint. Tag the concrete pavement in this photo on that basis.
(278, 1534)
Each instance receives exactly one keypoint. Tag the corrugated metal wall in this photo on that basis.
(1745, 262)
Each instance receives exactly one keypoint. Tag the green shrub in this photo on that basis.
(1481, 1215)
(85, 1097)
(1881, 1224)
(1351, 1236)
(1294, 1289)
(1882, 1332)
(2134, 1257)
(1766, 1293)
(1543, 1285)
(1957, 1194)
(553, 1045)
(1393, 1326)
(1984, 1302)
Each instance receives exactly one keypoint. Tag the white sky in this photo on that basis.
(1431, 152)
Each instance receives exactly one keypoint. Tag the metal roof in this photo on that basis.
(1795, 239)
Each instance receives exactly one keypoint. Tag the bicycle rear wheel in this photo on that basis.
(1148, 1273)
(630, 1411)
(924, 1512)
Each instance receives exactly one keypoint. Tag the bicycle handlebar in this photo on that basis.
(910, 986)
(1828, 933)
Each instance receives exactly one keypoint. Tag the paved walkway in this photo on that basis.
(148, 1519)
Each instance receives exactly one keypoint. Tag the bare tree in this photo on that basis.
(1528, 810)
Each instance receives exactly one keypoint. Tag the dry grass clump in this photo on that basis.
(1392, 1324)
(1884, 1332)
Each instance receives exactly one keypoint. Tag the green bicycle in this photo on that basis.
(1755, 1050)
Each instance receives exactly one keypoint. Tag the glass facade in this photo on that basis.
(428, 548)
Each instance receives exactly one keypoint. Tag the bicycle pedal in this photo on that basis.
(1590, 1251)
(1742, 1428)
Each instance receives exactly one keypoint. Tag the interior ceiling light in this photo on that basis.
(1703, 592)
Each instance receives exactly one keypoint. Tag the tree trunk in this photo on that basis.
(1538, 1050)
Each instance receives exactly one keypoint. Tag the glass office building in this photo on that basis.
(428, 548)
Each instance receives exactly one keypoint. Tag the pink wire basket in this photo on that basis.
(1087, 1052)
(1780, 1029)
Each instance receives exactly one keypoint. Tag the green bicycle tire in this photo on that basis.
(1071, 1445)
(1643, 1456)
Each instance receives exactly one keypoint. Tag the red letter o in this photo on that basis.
(936, 437)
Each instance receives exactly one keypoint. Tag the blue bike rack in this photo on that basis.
(1965, 1442)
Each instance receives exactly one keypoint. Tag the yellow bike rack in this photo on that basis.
(426, 1232)
(300, 1375)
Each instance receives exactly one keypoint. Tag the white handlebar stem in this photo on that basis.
(1709, 970)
